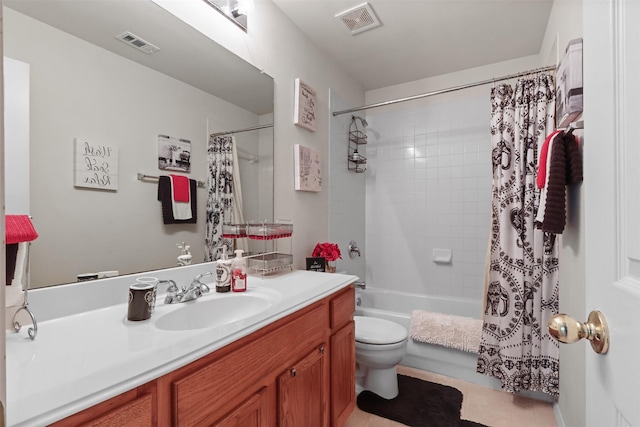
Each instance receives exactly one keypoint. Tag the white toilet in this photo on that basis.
(380, 346)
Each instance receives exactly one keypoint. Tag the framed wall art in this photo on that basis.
(305, 106)
(307, 169)
(174, 154)
(96, 165)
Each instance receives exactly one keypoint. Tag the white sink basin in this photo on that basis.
(210, 311)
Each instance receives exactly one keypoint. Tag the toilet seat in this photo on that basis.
(372, 330)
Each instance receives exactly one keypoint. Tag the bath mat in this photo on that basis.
(461, 333)
(418, 404)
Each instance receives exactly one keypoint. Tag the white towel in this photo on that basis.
(15, 293)
(181, 210)
(461, 333)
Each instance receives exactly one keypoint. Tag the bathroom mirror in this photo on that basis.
(91, 80)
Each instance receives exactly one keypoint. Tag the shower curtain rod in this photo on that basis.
(241, 130)
(441, 91)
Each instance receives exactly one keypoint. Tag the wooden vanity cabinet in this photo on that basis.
(297, 371)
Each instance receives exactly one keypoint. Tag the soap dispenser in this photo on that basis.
(223, 272)
(238, 273)
(185, 257)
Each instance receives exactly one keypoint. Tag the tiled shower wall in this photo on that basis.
(428, 186)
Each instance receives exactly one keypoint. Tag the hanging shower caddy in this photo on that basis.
(356, 162)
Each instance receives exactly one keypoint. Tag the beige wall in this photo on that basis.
(274, 44)
(287, 55)
(447, 81)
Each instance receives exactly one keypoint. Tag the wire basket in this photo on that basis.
(268, 263)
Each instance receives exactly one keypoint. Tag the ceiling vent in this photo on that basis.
(360, 18)
(137, 42)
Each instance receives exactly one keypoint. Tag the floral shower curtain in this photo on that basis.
(522, 287)
(220, 203)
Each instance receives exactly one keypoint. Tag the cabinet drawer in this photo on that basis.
(342, 308)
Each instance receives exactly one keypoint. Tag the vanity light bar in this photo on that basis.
(137, 42)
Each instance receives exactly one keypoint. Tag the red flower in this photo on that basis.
(328, 251)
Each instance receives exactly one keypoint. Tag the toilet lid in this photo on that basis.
(371, 330)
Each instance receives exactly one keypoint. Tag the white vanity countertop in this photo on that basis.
(84, 358)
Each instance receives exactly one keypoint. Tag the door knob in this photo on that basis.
(568, 330)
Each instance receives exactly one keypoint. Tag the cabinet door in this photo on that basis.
(343, 365)
(253, 412)
(302, 392)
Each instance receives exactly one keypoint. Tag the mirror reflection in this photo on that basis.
(77, 82)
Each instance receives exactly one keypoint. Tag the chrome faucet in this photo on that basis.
(194, 291)
(360, 284)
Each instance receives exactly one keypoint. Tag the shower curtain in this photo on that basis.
(522, 288)
(224, 202)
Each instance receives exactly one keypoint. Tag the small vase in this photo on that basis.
(331, 267)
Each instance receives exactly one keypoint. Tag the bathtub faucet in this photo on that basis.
(360, 284)
(354, 250)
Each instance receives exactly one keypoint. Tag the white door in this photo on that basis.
(611, 30)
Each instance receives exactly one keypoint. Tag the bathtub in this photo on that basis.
(397, 307)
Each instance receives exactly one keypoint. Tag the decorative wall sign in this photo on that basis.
(305, 106)
(307, 169)
(174, 154)
(96, 165)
